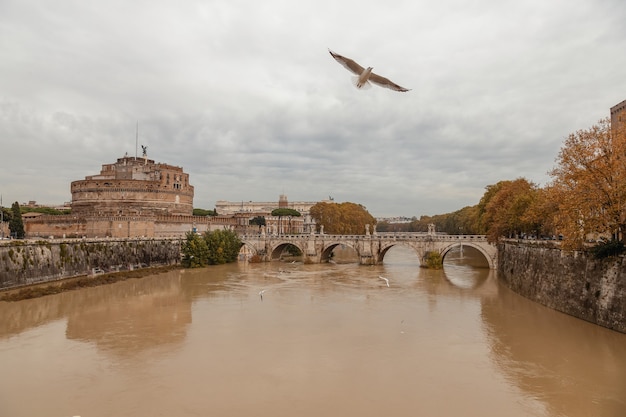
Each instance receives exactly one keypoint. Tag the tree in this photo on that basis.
(284, 212)
(257, 221)
(589, 184)
(505, 208)
(223, 245)
(195, 251)
(542, 212)
(342, 219)
(203, 212)
(217, 247)
(16, 224)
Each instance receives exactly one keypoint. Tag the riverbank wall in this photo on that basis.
(572, 282)
(32, 262)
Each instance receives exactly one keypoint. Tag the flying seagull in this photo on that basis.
(365, 75)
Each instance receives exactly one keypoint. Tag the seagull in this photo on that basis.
(384, 279)
(261, 294)
(365, 76)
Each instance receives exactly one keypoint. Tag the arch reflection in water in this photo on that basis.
(465, 267)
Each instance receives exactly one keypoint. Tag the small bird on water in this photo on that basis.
(365, 75)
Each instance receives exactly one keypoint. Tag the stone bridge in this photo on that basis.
(370, 248)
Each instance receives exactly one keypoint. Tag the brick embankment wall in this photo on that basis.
(574, 283)
(31, 262)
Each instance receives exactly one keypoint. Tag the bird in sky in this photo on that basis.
(384, 279)
(365, 75)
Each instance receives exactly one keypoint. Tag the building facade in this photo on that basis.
(244, 211)
(618, 115)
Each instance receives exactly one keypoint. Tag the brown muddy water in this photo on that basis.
(286, 339)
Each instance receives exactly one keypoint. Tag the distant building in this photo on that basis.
(244, 211)
(232, 207)
(618, 116)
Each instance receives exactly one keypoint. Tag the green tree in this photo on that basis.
(257, 221)
(342, 219)
(433, 260)
(16, 224)
(223, 246)
(203, 212)
(195, 251)
(284, 212)
(44, 210)
(210, 248)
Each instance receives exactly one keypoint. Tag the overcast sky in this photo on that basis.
(246, 98)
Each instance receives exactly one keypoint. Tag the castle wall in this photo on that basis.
(129, 197)
(70, 226)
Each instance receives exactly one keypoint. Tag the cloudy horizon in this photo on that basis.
(245, 97)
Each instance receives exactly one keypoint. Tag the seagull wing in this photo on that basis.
(348, 64)
(385, 82)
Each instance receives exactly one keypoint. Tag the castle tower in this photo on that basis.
(282, 201)
(134, 187)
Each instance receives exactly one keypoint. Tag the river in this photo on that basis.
(287, 339)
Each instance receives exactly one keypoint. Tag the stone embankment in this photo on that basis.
(572, 282)
(32, 262)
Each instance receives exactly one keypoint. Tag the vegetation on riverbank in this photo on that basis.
(210, 248)
(48, 288)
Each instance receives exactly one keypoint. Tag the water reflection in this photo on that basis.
(123, 318)
(576, 368)
(466, 268)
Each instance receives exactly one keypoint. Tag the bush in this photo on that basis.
(217, 247)
(606, 249)
(433, 260)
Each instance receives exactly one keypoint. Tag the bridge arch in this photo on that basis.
(247, 250)
(328, 249)
(278, 249)
(385, 248)
(488, 257)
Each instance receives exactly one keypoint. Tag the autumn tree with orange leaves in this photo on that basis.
(342, 219)
(506, 209)
(589, 184)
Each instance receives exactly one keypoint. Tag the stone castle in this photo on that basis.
(133, 197)
(134, 187)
